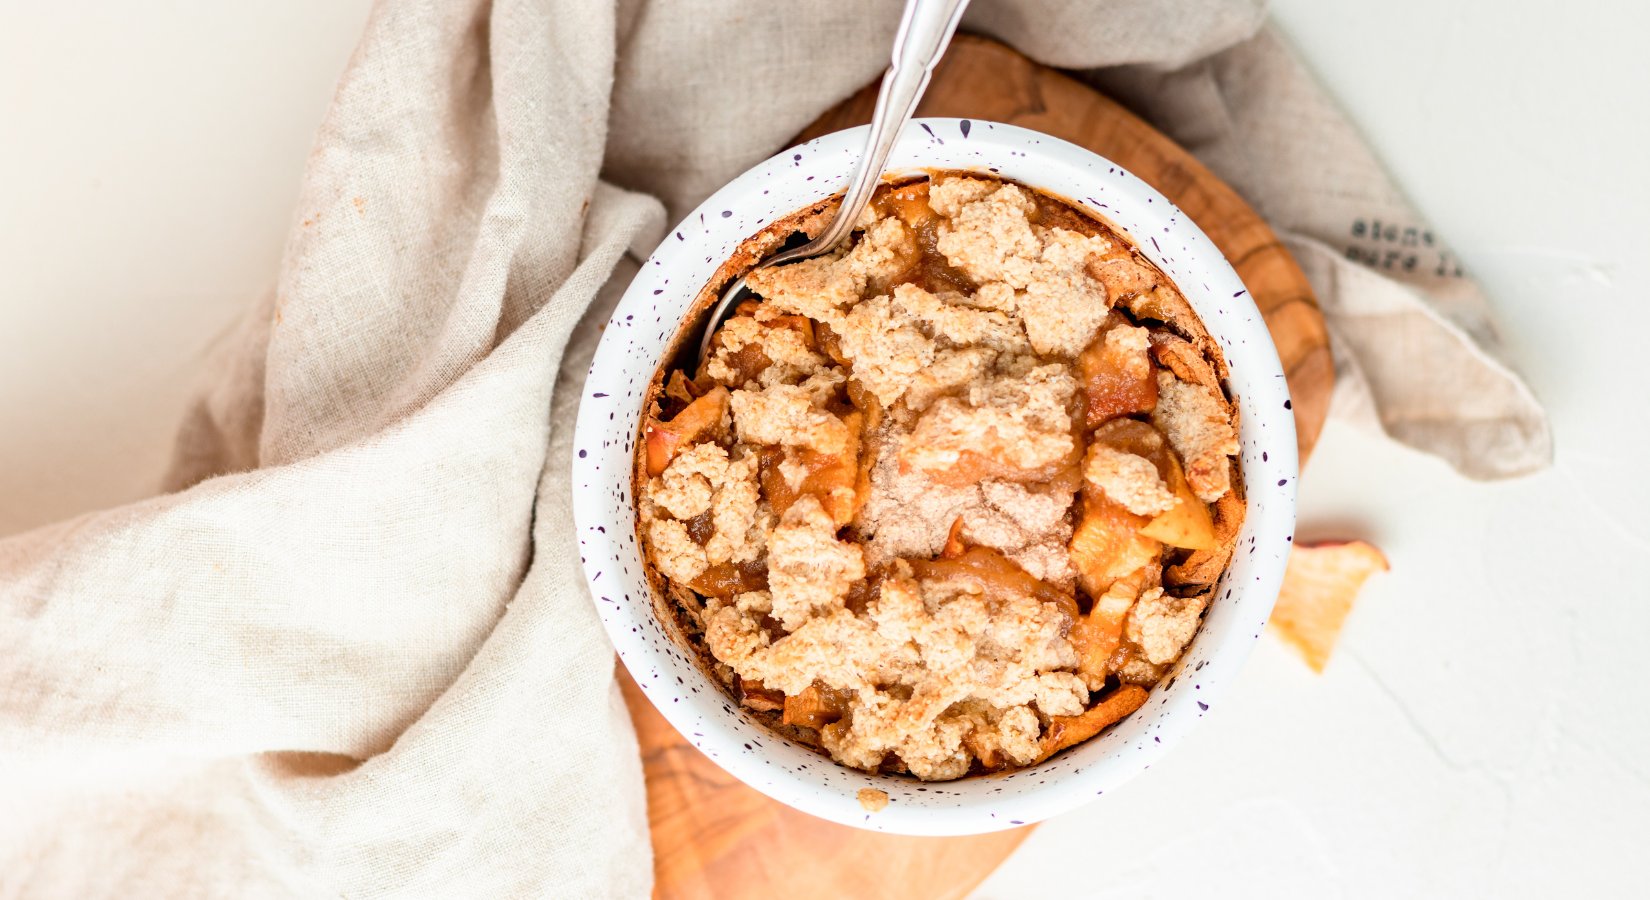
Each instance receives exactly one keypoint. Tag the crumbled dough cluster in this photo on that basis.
(1201, 431)
(930, 665)
(921, 392)
(1130, 480)
(704, 482)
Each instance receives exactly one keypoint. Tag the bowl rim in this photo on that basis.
(822, 166)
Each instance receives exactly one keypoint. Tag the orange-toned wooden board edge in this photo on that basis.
(715, 838)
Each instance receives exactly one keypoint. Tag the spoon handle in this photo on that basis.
(923, 34)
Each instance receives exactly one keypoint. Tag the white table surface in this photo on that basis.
(1481, 729)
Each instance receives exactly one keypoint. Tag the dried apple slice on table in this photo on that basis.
(1319, 587)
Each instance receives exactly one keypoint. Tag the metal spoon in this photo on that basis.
(924, 32)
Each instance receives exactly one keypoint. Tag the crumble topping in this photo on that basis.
(887, 351)
(928, 488)
(1198, 427)
(1063, 307)
(1129, 480)
(1021, 424)
(703, 483)
(785, 357)
(920, 344)
(1130, 348)
(789, 415)
(909, 515)
(685, 489)
(990, 237)
(809, 570)
(818, 288)
(872, 800)
(1122, 274)
(922, 647)
(950, 318)
(950, 370)
(678, 556)
(1162, 625)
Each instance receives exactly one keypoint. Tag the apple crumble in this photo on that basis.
(952, 498)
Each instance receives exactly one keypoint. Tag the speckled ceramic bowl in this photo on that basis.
(645, 632)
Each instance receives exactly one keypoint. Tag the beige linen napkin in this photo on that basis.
(349, 650)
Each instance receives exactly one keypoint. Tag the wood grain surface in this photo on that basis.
(715, 838)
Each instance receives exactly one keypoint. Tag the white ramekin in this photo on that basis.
(642, 328)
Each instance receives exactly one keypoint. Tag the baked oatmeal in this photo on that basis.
(953, 498)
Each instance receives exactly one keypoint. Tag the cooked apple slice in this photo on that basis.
(973, 467)
(1319, 587)
(1067, 731)
(1182, 358)
(954, 545)
(1107, 544)
(802, 325)
(815, 707)
(774, 473)
(1203, 567)
(1164, 304)
(1122, 273)
(833, 478)
(728, 579)
(830, 344)
(1116, 373)
(1097, 635)
(755, 695)
(677, 388)
(908, 203)
(1188, 523)
(702, 418)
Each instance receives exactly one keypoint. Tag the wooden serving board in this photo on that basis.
(715, 838)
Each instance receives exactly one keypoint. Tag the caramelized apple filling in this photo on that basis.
(953, 498)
